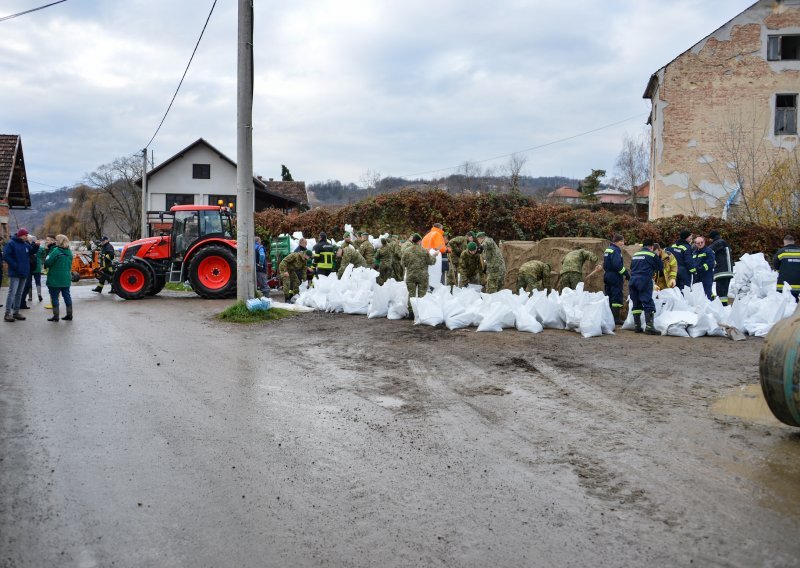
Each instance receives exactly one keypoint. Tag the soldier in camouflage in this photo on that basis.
(415, 262)
(384, 261)
(397, 252)
(366, 249)
(572, 267)
(495, 265)
(348, 255)
(533, 275)
(288, 269)
(470, 266)
(457, 246)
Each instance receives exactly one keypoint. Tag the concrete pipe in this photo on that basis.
(780, 370)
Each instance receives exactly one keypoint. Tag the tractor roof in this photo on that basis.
(195, 208)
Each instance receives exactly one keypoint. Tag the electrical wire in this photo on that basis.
(4, 18)
(44, 184)
(160, 124)
(531, 149)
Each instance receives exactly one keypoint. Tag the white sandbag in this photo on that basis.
(427, 311)
(526, 322)
(398, 299)
(435, 272)
(357, 303)
(493, 317)
(591, 324)
(379, 304)
(607, 324)
(674, 323)
(549, 312)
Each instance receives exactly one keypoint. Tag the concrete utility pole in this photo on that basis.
(245, 192)
(144, 194)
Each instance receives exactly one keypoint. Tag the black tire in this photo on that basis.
(212, 272)
(158, 285)
(132, 280)
(74, 276)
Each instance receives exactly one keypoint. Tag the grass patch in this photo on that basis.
(177, 287)
(238, 313)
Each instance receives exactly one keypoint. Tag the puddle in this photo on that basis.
(747, 403)
(389, 402)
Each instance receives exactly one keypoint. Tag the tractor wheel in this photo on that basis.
(212, 272)
(158, 285)
(132, 280)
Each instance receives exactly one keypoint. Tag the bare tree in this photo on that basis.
(514, 166)
(117, 182)
(370, 180)
(633, 166)
(469, 173)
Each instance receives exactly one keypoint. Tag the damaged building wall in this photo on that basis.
(713, 112)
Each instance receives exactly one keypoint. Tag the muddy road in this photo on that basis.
(149, 434)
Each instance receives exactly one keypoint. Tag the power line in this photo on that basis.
(160, 124)
(44, 184)
(531, 149)
(4, 18)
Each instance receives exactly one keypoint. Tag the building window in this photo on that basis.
(786, 114)
(201, 171)
(179, 199)
(225, 199)
(785, 47)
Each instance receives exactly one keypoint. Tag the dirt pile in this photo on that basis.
(553, 251)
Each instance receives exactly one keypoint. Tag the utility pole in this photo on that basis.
(144, 194)
(245, 192)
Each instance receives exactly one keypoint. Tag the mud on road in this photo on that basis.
(153, 435)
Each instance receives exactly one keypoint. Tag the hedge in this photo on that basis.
(507, 217)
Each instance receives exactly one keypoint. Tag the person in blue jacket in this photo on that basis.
(16, 254)
(644, 265)
(704, 261)
(261, 267)
(615, 275)
(682, 251)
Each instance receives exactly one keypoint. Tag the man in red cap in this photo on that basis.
(16, 254)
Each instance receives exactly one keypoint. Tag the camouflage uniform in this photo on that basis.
(349, 256)
(367, 251)
(533, 275)
(397, 252)
(416, 261)
(457, 246)
(288, 269)
(385, 260)
(572, 268)
(495, 266)
(470, 268)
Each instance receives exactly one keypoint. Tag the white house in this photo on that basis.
(202, 175)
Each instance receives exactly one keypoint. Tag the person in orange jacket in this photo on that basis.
(435, 239)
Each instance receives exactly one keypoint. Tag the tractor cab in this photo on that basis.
(192, 223)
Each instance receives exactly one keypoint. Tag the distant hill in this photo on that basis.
(42, 203)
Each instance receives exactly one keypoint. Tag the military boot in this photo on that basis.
(637, 320)
(55, 314)
(650, 329)
(68, 317)
(615, 312)
(97, 289)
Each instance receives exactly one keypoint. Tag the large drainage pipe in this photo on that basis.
(779, 368)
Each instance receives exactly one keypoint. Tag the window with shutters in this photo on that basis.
(783, 47)
(786, 114)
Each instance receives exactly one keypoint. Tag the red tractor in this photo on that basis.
(191, 242)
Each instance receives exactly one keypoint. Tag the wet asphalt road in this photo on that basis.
(149, 434)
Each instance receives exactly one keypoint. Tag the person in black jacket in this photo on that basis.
(723, 269)
(323, 256)
(106, 262)
(682, 251)
(787, 262)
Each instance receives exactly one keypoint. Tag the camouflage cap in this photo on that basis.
(480, 235)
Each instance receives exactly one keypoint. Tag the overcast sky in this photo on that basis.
(401, 87)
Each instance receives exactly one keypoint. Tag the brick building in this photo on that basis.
(723, 110)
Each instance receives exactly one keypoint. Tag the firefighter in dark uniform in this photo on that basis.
(704, 265)
(106, 269)
(682, 251)
(615, 275)
(787, 262)
(644, 264)
(723, 266)
(323, 257)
